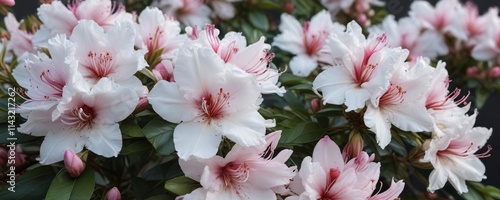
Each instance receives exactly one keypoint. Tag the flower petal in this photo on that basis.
(302, 65)
(56, 143)
(196, 139)
(105, 140)
(168, 101)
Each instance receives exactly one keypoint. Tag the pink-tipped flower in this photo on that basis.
(495, 72)
(73, 164)
(114, 194)
(7, 2)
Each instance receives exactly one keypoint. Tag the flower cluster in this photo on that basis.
(154, 101)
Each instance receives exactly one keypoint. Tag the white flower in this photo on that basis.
(328, 176)
(189, 12)
(362, 71)
(44, 77)
(20, 40)
(244, 173)
(488, 49)
(453, 155)
(407, 33)
(209, 99)
(60, 19)
(158, 31)
(402, 104)
(253, 59)
(307, 42)
(108, 54)
(85, 117)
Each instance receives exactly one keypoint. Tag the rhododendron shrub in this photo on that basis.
(236, 99)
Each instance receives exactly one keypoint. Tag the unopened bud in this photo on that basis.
(142, 105)
(74, 165)
(7, 2)
(354, 147)
(114, 194)
(315, 105)
(495, 72)
(288, 7)
(472, 72)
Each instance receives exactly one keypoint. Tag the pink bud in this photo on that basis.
(472, 71)
(73, 164)
(114, 194)
(363, 20)
(7, 2)
(142, 105)
(354, 147)
(495, 72)
(315, 105)
(164, 71)
(289, 7)
(20, 157)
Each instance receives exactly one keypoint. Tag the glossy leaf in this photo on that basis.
(160, 134)
(259, 20)
(31, 185)
(181, 185)
(130, 129)
(302, 133)
(65, 187)
(135, 147)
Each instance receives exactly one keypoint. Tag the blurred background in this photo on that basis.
(489, 115)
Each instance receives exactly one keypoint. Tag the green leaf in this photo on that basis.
(302, 133)
(164, 171)
(492, 191)
(160, 134)
(31, 185)
(135, 147)
(130, 129)
(65, 187)
(268, 5)
(259, 20)
(481, 96)
(181, 185)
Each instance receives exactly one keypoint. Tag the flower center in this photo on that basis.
(53, 81)
(213, 106)
(333, 175)
(364, 71)
(313, 42)
(80, 117)
(394, 95)
(232, 174)
(100, 65)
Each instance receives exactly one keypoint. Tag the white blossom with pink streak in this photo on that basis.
(189, 12)
(58, 18)
(254, 59)
(488, 49)
(402, 104)
(307, 42)
(362, 71)
(209, 99)
(454, 157)
(244, 173)
(158, 31)
(326, 175)
(109, 54)
(20, 41)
